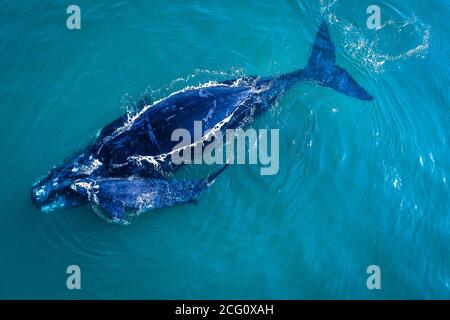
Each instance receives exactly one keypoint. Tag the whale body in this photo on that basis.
(126, 167)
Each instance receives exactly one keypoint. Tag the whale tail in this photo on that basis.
(322, 67)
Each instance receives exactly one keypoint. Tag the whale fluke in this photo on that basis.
(322, 67)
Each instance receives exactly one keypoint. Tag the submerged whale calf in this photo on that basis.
(117, 196)
(125, 169)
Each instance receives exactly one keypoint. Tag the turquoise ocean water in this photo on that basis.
(360, 183)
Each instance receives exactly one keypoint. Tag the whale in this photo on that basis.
(123, 198)
(126, 171)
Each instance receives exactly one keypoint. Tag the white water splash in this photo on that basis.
(370, 53)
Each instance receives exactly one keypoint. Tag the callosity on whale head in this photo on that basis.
(54, 190)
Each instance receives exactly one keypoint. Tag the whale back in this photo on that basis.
(150, 134)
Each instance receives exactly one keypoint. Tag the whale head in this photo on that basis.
(55, 189)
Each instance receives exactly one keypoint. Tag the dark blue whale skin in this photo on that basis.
(117, 156)
(121, 196)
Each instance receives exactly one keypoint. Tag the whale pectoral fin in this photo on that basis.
(193, 201)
